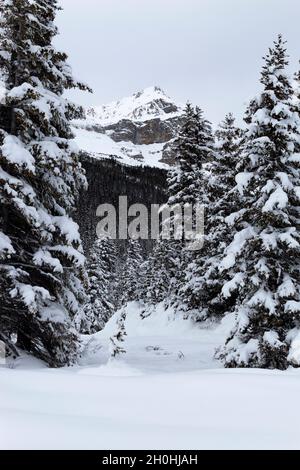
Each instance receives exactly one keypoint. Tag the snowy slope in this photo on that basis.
(135, 130)
(119, 409)
(102, 146)
(166, 393)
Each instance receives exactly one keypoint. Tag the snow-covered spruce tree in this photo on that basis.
(101, 269)
(170, 258)
(205, 280)
(228, 140)
(265, 254)
(41, 256)
(129, 276)
(117, 340)
(193, 148)
(199, 158)
(146, 279)
(157, 273)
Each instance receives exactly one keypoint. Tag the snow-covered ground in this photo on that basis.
(166, 392)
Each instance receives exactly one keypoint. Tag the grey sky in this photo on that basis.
(207, 51)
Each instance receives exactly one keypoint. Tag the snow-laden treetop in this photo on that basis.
(141, 106)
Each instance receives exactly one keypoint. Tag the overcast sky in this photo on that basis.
(205, 51)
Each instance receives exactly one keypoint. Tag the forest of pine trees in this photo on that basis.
(247, 180)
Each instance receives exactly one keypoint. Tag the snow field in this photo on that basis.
(136, 402)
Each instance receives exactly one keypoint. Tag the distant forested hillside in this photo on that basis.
(108, 180)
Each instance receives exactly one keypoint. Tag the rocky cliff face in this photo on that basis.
(152, 131)
(138, 129)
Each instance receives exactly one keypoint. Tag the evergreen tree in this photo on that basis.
(228, 140)
(199, 156)
(145, 280)
(192, 149)
(129, 277)
(101, 303)
(204, 278)
(41, 269)
(264, 256)
(160, 272)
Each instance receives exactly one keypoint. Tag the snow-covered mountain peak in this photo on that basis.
(135, 130)
(147, 104)
(149, 95)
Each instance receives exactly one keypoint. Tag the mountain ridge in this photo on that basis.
(141, 106)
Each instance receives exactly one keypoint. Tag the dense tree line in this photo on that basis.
(107, 181)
